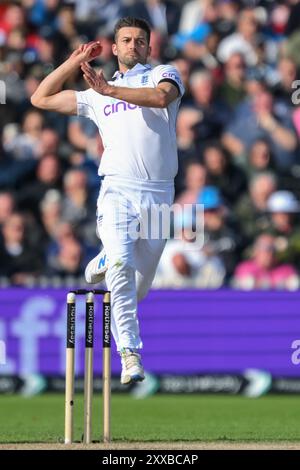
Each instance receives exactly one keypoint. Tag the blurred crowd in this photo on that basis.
(238, 133)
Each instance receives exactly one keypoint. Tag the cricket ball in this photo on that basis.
(96, 50)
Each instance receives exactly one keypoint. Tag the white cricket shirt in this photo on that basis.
(139, 142)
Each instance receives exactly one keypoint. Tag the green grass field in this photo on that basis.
(158, 418)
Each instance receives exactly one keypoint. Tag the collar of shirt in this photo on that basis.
(138, 68)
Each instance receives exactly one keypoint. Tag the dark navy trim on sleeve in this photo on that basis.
(169, 80)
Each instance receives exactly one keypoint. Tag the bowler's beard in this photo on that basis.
(130, 61)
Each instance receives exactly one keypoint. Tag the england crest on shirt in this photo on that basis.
(145, 79)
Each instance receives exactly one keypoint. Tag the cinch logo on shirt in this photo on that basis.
(171, 75)
(118, 106)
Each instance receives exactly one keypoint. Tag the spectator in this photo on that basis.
(77, 207)
(255, 83)
(259, 159)
(296, 118)
(195, 180)
(263, 271)
(29, 84)
(24, 146)
(106, 61)
(200, 48)
(184, 263)
(287, 74)
(13, 173)
(193, 38)
(89, 162)
(11, 71)
(193, 13)
(251, 209)
(259, 118)
(284, 208)
(157, 44)
(219, 239)
(14, 18)
(55, 38)
(16, 40)
(68, 261)
(50, 214)
(293, 22)
(184, 66)
(49, 142)
(232, 89)
(226, 19)
(187, 120)
(223, 174)
(7, 206)
(66, 24)
(291, 47)
(18, 259)
(244, 40)
(162, 15)
(48, 173)
(59, 237)
(80, 132)
(214, 114)
(46, 48)
(90, 14)
(41, 12)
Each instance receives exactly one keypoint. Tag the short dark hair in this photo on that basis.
(132, 22)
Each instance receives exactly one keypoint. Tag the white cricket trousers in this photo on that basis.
(123, 207)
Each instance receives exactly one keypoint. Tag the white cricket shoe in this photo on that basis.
(96, 269)
(132, 369)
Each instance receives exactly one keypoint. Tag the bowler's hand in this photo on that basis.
(95, 80)
(86, 52)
